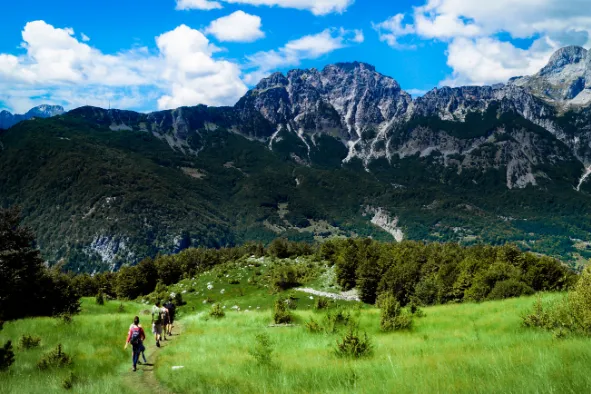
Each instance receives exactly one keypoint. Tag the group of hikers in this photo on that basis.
(162, 320)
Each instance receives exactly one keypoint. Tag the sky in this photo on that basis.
(149, 55)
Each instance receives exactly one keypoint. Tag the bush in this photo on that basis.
(6, 356)
(415, 309)
(262, 350)
(509, 288)
(28, 342)
(393, 318)
(100, 299)
(234, 282)
(68, 382)
(217, 311)
(55, 358)
(571, 314)
(353, 345)
(313, 326)
(337, 318)
(121, 308)
(284, 278)
(321, 303)
(281, 314)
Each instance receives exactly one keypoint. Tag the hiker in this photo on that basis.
(165, 320)
(171, 310)
(157, 321)
(142, 347)
(136, 337)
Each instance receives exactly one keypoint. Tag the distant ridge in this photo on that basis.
(8, 119)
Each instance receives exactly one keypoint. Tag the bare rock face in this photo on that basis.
(342, 100)
(564, 79)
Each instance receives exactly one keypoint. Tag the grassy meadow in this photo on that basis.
(464, 348)
(94, 339)
(459, 348)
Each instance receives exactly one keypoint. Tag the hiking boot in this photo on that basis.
(157, 343)
(134, 369)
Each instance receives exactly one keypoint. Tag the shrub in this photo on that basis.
(66, 318)
(509, 288)
(28, 342)
(217, 311)
(284, 278)
(68, 382)
(6, 356)
(415, 309)
(321, 303)
(100, 299)
(393, 318)
(234, 282)
(121, 308)
(353, 345)
(262, 349)
(313, 326)
(292, 302)
(281, 314)
(337, 318)
(55, 358)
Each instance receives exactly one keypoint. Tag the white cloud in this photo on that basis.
(197, 5)
(236, 27)
(317, 7)
(194, 76)
(392, 29)
(84, 37)
(416, 92)
(485, 61)
(307, 47)
(472, 29)
(60, 69)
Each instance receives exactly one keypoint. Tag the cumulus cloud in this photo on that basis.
(59, 68)
(192, 74)
(307, 47)
(317, 7)
(197, 5)
(236, 27)
(473, 29)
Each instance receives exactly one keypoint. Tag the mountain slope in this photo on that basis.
(310, 155)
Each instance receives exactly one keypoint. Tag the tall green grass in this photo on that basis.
(94, 339)
(467, 348)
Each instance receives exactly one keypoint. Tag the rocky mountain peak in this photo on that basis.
(8, 119)
(274, 80)
(569, 55)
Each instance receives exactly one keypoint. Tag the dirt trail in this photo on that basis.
(144, 379)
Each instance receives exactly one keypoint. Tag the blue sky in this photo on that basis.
(74, 53)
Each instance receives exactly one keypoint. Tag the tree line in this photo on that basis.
(436, 273)
(425, 273)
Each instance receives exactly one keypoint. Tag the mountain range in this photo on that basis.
(312, 154)
(8, 119)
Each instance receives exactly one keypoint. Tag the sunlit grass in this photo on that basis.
(94, 339)
(455, 348)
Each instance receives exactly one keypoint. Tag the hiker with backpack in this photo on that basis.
(159, 314)
(136, 337)
(171, 311)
